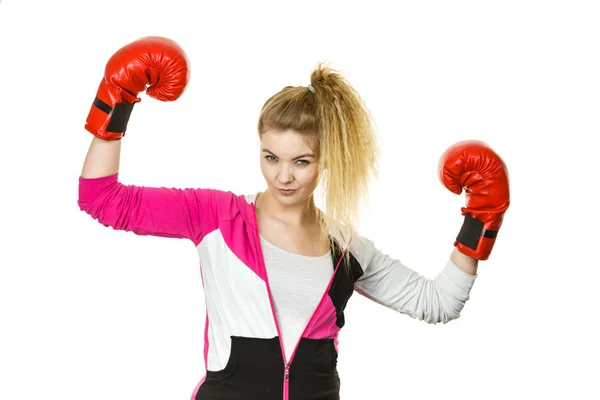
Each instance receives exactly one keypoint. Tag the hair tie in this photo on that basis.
(311, 88)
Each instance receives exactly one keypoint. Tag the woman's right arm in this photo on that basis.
(157, 211)
(169, 212)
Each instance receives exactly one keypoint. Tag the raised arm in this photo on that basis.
(471, 166)
(155, 64)
(159, 65)
(389, 282)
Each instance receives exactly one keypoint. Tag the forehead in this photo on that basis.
(288, 143)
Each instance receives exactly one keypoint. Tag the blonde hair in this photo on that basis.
(347, 147)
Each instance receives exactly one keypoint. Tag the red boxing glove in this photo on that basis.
(473, 166)
(153, 62)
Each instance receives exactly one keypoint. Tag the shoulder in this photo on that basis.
(352, 241)
(230, 205)
(219, 203)
(360, 248)
(250, 198)
(226, 196)
(363, 249)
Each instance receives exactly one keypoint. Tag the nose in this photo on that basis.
(286, 174)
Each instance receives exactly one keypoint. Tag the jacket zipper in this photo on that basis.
(261, 260)
(287, 363)
(286, 373)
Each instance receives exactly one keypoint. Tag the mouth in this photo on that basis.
(287, 191)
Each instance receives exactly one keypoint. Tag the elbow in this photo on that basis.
(96, 194)
(88, 207)
(92, 212)
(83, 206)
(439, 317)
(448, 309)
(447, 317)
(447, 300)
(99, 211)
(437, 306)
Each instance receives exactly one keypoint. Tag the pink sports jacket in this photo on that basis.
(242, 348)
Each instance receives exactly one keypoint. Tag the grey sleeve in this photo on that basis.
(389, 282)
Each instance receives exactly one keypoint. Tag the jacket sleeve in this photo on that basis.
(389, 282)
(166, 212)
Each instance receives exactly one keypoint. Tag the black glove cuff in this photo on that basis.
(119, 116)
(471, 230)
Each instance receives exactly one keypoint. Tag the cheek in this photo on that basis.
(267, 171)
(309, 175)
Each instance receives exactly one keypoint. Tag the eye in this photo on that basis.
(303, 162)
(270, 158)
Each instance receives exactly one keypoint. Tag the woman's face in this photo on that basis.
(289, 164)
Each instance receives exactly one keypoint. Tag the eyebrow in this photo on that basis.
(295, 158)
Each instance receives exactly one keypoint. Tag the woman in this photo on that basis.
(277, 271)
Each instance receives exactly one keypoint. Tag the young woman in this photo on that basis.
(277, 271)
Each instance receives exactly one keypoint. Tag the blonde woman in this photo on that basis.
(277, 271)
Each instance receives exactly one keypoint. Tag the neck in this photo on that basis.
(304, 213)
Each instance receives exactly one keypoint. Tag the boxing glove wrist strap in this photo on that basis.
(472, 230)
(119, 115)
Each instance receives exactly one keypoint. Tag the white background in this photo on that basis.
(90, 312)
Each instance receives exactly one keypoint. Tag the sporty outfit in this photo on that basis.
(272, 316)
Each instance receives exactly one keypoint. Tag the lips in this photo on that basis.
(287, 191)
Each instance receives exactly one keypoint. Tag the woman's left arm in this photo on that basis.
(469, 166)
(392, 284)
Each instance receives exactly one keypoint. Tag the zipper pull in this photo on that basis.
(286, 375)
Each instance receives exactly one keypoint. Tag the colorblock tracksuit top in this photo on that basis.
(243, 351)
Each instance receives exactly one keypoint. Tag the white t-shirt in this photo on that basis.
(297, 284)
